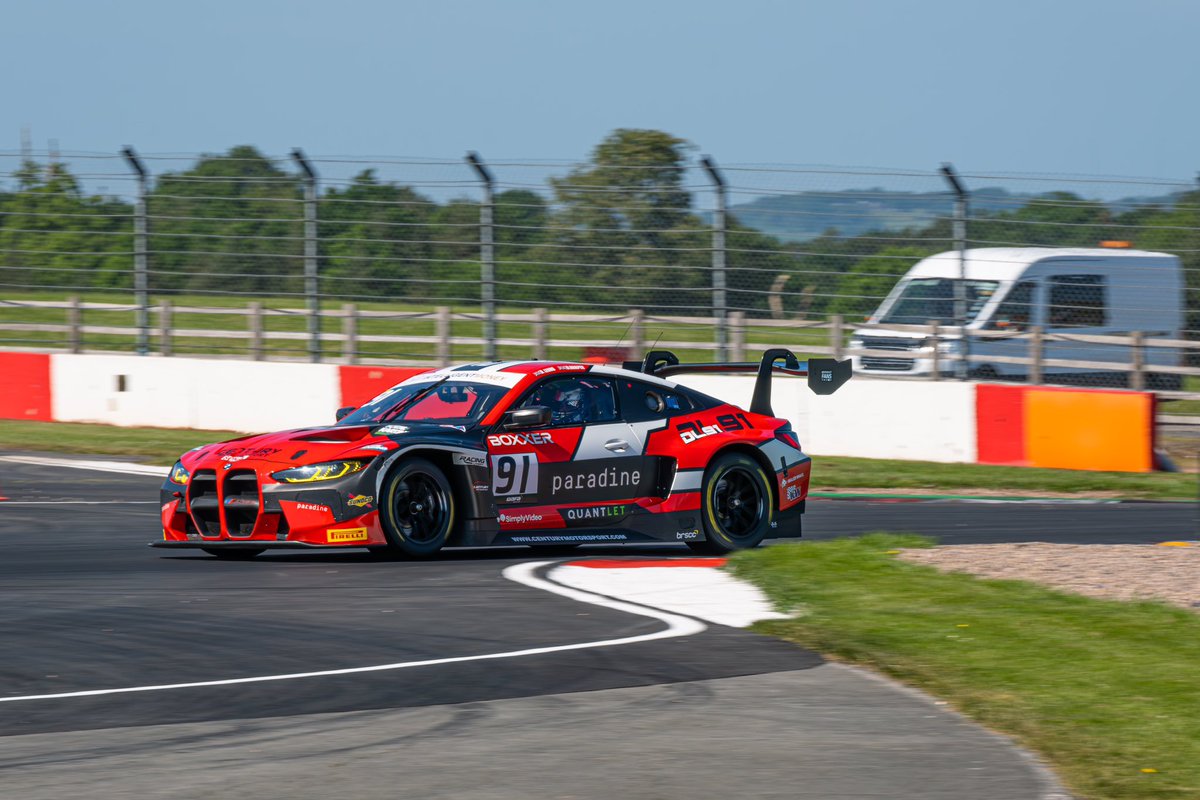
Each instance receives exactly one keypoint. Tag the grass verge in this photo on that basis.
(1106, 691)
(848, 473)
(152, 445)
(163, 446)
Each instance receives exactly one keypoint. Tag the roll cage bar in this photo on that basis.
(825, 375)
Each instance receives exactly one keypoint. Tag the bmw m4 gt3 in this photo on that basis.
(511, 453)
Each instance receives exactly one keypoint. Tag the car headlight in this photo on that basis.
(178, 474)
(856, 343)
(952, 346)
(328, 471)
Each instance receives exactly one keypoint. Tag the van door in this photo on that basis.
(1017, 313)
(1079, 303)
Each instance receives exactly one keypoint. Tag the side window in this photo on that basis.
(641, 402)
(1016, 310)
(576, 399)
(1077, 301)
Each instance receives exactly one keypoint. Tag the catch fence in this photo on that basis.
(426, 261)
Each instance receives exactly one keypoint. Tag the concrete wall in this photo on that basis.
(947, 421)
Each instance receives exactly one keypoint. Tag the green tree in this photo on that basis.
(377, 239)
(230, 224)
(861, 288)
(53, 235)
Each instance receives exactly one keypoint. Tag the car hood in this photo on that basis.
(314, 445)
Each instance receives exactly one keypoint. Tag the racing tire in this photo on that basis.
(234, 553)
(417, 508)
(736, 505)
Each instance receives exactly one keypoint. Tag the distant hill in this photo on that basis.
(806, 215)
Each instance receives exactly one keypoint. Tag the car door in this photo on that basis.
(581, 470)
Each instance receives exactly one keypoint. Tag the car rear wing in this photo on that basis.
(825, 375)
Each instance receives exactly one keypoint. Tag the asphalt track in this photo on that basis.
(87, 606)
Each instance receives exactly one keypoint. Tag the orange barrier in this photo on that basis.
(1090, 429)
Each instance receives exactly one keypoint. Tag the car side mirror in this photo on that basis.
(342, 413)
(529, 417)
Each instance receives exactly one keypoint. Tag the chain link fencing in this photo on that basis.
(425, 261)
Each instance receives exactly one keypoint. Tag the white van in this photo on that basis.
(1065, 291)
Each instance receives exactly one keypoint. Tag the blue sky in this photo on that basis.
(1053, 86)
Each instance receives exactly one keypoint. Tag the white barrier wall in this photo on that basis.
(867, 417)
(211, 394)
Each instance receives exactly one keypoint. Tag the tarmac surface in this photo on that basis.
(88, 607)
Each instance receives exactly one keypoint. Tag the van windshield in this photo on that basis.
(922, 300)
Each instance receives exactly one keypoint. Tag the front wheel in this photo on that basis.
(736, 504)
(417, 508)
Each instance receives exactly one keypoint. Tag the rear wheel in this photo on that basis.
(417, 508)
(736, 504)
(234, 553)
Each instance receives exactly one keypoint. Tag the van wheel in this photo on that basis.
(985, 373)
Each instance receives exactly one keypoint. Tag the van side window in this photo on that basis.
(1016, 311)
(1078, 301)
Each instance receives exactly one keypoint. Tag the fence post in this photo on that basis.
(837, 336)
(75, 321)
(637, 333)
(487, 257)
(350, 332)
(1036, 349)
(256, 331)
(719, 301)
(141, 282)
(442, 332)
(539, 333)
(311, 286)
(935, 336)
(164, 327)
(1137, 380)
(737, 331)
(960, 288)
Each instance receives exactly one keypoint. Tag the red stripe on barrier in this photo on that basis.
(617, 563)
(25, 384)
(1000, 425)
(360, 384)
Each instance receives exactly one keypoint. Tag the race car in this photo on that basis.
(539, 453)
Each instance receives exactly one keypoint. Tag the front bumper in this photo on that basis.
(246, 508)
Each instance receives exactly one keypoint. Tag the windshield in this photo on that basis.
(442, 402)
(922, 300)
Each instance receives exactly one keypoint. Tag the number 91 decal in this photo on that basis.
(514, 474)
(691, 431)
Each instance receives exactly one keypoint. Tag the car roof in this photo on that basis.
(519, 373)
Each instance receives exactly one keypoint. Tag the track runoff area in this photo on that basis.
(188, 642)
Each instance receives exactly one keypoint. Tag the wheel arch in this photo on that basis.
(442, 458)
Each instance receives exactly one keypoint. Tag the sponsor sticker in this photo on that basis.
(246, 452)
(604, 479)
(520, 518)
(469, 459)
(510, 439)
(687, 536)
(577, 537)
(312, 507)
(382, 448)
(360, 500)
(234, 459)
(342, 535)
(480, 487)
(793, 492)
(593, 512)
(391, 430)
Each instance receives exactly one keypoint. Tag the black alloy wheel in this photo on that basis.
(736, 505)
(417, 511)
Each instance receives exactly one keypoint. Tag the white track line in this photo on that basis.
(123, 467)
(521, 573)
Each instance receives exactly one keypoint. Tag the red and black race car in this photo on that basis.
(510, 453)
